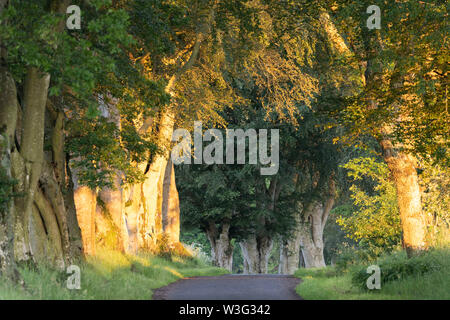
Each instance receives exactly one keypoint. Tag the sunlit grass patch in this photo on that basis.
(107, 275)
(329, 284)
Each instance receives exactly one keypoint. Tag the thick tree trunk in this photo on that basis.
(111, 227)
(311, 236)
(27, 165)
(133, 210)
(86, 201)
(312, 223)
(150, 200)
(403, 169)
(221, 248)
(290, 251)
(171, 205)
(143, 208)
(113, 210)
(8, 119)
(39, 213)
(7, 213)
(256, 252)
(142, 212)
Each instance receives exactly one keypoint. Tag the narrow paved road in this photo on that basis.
(231, 287)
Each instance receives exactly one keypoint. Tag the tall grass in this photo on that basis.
(420, 278)
(107, 275)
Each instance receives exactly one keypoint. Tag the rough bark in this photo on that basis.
(41, 230)
(29, 162)
(290, 251)
(256, 252)
(312, 223)
(257, 247)
(113, 209)
(221, 247)
(402, 167)
(7, 213)
(8, 119)
(170, 205)
(59, 177)
(311, 237)
(86, 202)
(156, 197)
(414, 225)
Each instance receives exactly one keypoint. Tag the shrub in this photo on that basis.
(166, 248)
(397, 266)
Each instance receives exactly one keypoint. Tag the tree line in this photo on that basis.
(87, 117)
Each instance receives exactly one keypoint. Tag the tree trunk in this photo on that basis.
(113, 210)
(27, 165)
(112, 232)
(221, 248)
(290, 251)
(311, 236)
(403, 169)
(256, 252)
(41, 230)
(7, 213)
(147, 201)
(171, 205)
(312, 223)
(86, 202)
(8, 119)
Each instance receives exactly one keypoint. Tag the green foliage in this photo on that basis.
(196, 238)
(99, 153)
(426, 277)
(398, 266)
(435, 183)
(87, 67)
(235, 194)
(406, 75)
(373, 219)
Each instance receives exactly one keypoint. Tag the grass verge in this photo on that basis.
(405, 279)
(108, 275)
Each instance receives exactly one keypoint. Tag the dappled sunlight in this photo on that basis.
(143, 142)
(174, 272)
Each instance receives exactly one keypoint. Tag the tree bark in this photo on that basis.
(403, 170)
(221, 247)
(171, 205)
(86, 201)
(311, 237)
(7, 214)
(256, 252)
(147, 201)
(8, 120)
(30, 160)
(312, 223)
(290, 251)
(113, 210)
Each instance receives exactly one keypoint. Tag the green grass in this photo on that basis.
(108, 275)
(329, 284)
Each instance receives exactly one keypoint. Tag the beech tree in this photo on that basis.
(404, 96)
(51, 75)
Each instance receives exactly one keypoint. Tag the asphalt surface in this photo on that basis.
(231, 287)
